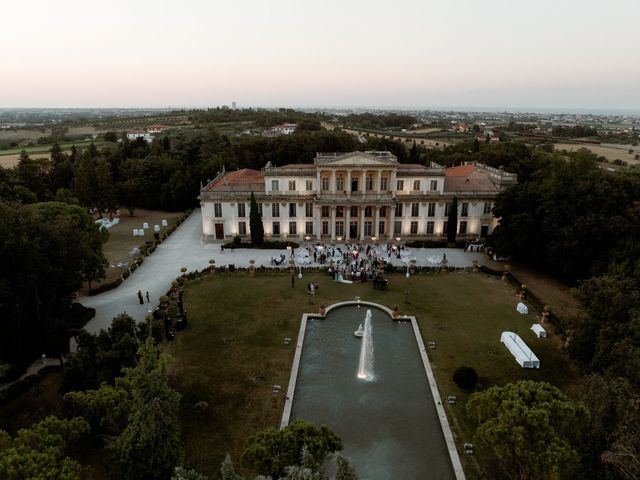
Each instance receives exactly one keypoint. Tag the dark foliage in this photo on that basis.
(465, 377)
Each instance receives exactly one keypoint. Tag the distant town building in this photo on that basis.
(147, 134)
(357, 196)
(157, 128)
(282, 129)
(135, 134)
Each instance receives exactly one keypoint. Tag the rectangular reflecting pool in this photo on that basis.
(389, 425)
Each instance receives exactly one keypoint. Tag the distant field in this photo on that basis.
(9, 161)
(9, 158)
(24, 134)
(609, 152)
(418, 140)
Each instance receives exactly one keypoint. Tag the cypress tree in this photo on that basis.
(452, 221)
(255, 223)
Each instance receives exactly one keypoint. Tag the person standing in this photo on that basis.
(140, 297)
(148, 301)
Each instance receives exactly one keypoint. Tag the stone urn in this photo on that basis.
(322, 311)
(212, 265)
(292, 266)
(474, 265)
(412, 267)
(505, 273)
(252, 267)
(395, 313)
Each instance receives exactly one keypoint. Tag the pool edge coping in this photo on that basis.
(435, 393)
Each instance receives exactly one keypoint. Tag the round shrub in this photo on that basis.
(465, 377)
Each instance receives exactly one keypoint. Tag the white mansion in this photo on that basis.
(353, 196)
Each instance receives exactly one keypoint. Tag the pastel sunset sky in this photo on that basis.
(402, 53)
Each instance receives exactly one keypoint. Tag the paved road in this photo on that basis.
(184, 248)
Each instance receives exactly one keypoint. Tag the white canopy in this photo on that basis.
(538, 330)
(522, 308)
(521, 352)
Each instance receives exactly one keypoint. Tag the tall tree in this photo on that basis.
(150, 446)
(32, 175)
(128, 194)
(452, 221)
(255, 223)
(57, 155)
(104, 191)
(84, 183)
(530, 428)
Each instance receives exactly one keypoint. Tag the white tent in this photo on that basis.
(539, 330)
(522, 308)
(521, 352)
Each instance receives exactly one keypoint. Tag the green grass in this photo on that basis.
(232, 352)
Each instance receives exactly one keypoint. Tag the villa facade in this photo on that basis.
(357, 196)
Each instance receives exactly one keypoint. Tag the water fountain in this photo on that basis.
(365, 366)
(382, 440)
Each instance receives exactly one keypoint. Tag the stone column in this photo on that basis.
(376, 216)
(362, 236)
(348, 189)
(392, 181)
(332, 227)
(376, 187)
(317, 223)
(318, 181)
(347, 219)
(332, 181)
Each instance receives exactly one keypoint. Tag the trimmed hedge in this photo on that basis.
(272, 245)
(105, 287)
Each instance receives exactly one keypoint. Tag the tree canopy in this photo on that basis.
(48, 251)
(530, 427)
(38, 452)
(269, 451)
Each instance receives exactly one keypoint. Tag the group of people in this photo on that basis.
(141, 298)
(277, 261)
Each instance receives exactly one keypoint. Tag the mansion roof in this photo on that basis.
(469, 179)
(245, 180)
(465, 178)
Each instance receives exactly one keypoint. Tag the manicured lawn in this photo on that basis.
(232, 352)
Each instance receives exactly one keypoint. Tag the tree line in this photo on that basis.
(581, 224)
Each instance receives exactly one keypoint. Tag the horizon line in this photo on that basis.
(434, 108)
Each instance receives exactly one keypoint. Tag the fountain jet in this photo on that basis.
(365, 367)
